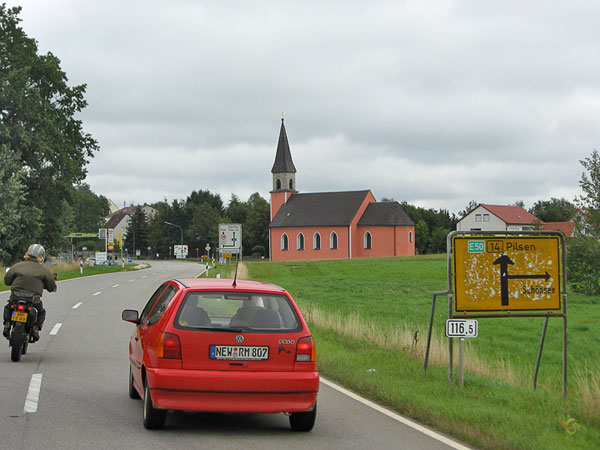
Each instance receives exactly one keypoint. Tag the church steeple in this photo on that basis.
(284, 171)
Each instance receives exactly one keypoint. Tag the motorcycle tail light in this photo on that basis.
(21, 307)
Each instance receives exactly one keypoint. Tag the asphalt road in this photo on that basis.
(70, 390)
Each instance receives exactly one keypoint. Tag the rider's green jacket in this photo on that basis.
(30, 277)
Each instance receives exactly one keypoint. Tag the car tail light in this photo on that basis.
(305, 350)
(169, 346)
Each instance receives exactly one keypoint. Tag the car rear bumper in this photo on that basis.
(252, 392)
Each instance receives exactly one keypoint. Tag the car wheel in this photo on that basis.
(153, 418)
(303, 421)
(133, 393)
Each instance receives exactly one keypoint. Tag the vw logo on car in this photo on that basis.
(239, 339)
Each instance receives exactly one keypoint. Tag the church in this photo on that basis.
(331, 225)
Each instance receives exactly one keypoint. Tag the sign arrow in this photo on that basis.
(504, 261)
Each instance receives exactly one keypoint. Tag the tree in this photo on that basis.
(89, 209)
(256, 227)
(38, 125)
(589, 202)
(553, 210)
(18, 219)
(204, 227)
(470, 207)
(236, 210)
(137, 232)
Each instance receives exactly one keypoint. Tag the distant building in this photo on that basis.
(119, 220)
(112, 207)
(507, 218)
(328, 225)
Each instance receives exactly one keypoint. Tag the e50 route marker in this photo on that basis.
(507, 273)
(461, 328)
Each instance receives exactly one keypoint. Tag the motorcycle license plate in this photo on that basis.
(19, 316)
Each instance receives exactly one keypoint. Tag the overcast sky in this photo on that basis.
(433, 102)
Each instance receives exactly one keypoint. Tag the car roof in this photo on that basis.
(226, 284)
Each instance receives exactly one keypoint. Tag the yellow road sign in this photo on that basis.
(507, 273)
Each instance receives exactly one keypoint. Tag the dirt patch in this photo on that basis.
(242, 271)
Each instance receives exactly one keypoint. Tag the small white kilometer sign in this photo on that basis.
(461, 328)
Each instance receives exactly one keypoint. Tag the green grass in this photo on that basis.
(347, 302)
(67, 271)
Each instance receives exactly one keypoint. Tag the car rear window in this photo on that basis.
(225, 311)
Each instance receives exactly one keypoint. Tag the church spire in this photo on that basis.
(283, 158)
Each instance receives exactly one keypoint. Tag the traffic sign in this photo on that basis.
(230, 237)
(507, 273)
(461, 328)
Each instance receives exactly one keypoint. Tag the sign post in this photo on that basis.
(230, 239)
(504, 274)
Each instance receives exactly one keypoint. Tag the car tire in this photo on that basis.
(154, 419)
(303, 421)
(133, 393)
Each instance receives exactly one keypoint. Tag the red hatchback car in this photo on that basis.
(216, 345)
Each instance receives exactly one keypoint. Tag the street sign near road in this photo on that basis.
(230, 238)
(507, 273)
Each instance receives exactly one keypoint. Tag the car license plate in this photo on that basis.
(239, 352)
(19, 316)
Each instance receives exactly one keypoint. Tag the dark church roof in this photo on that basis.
(283, 157)
(319, 209)
(388, 213)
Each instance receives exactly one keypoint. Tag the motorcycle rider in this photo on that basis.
(29, 278)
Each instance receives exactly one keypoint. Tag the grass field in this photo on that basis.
(370, 318)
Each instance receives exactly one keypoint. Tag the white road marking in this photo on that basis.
(145, 276)
(54, 330)
(408, 422)
(116, 285)
(77, 305)
(33, 394)
(98, 293)
(131, 280)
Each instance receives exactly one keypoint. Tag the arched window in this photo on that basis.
(333, 240)
(284, 242)
(291, 184)
(317, 241)
(278, 184)
(300, 241)
(368, 240)
(410, 236)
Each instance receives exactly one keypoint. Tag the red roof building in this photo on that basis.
(329, 225)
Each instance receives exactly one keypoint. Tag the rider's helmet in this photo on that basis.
(36, 252)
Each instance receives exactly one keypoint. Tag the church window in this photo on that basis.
(317, 241)
(291, 184)
(300, 241)
(284, 242)
(368, 240)
(278, 184)
(410, 236)
(333, 240)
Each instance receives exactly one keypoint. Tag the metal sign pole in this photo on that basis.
(461, 361)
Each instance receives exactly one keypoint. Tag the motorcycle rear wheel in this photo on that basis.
(16, 342)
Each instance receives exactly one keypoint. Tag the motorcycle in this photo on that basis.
(23, 318)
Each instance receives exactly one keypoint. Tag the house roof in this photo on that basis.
(388, 213)
(566, 227)
(283, 157)
(116, 218)
(512, 215)
(319, 209)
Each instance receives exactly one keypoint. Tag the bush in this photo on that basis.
(258, 251)
(583, 265)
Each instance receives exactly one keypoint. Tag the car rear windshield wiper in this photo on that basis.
(228, 330)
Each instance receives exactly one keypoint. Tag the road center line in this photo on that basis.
(98, 293)
(77, 305)
(131, 280)
(116, 285)
(406, 421)
(33, 394)
(54, 330)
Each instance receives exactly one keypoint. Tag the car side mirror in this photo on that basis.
(130, 315)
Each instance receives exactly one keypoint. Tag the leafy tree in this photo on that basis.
(236, 210)
(582, 264)
(197, 198)
(431, 227)
(18, 219)
(589, 202)
(553, 210)
(89, 210)
(204, 227)
(256, 227)
(38, 126)
(470, 207)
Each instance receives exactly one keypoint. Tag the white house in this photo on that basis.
(498, 218)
